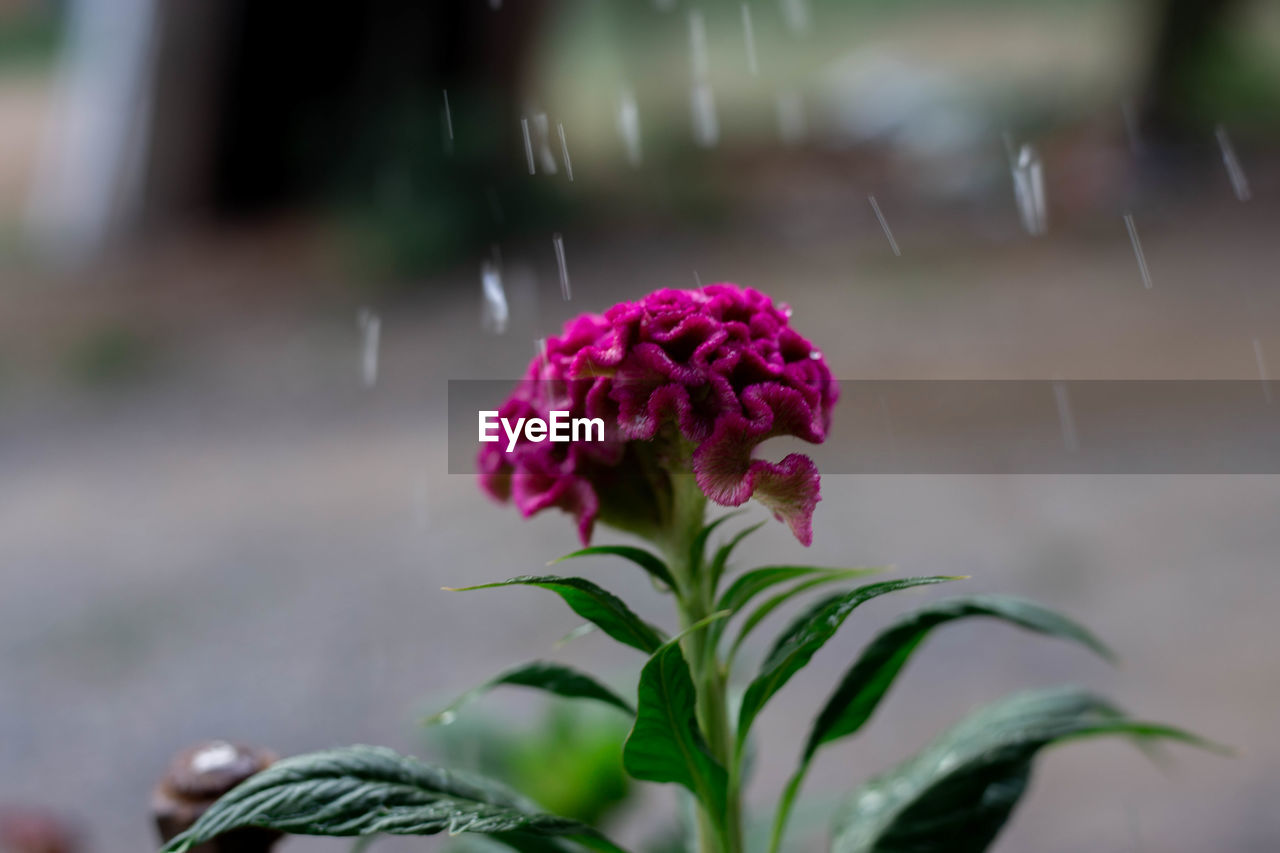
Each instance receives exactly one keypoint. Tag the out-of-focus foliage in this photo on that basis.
(29, 37)
(568, 761)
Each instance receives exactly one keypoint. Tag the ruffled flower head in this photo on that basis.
(682, 379)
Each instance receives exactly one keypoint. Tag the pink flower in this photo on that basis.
(682, 379)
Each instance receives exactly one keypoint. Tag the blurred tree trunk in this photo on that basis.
(179, 110)
(1189, 36)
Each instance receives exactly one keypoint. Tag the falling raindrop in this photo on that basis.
(791, 123)
(564, 150)
(629, 126)
(699, 59)
(697, 279)
(542, 130)
(706, 125)
(528, 145)
(494, 313)
(448, 122)
(749, 38)
(893, 244)
(1028, 191)
(370, 326)
(1137, 250)
(706, 128)
(1262, 369)
(558, 241)
(1065, 419)
(796, 14)
(1239, 183)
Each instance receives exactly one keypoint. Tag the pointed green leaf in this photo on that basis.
(699, 545)
(756, 581)
(368, 790)
(954, 796)
(646, 560)
(540, 675)
(725, 551)
(867, 682)
(666, 745)
(595, 605)
(766, 608)
(808, 633)
(869, 679)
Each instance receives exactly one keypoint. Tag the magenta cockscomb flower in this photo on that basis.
(682, 380)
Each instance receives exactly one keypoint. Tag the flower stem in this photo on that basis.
(696, 598)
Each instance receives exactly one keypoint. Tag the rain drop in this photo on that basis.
(629, 127)
(564, 150)
(1028, 191)
(1066, 420)
(796, 14)
(542, 130)
(893, 244)
(1137, 250)
(1239, 183)
(494, 312)
(749, 39)
(558, 241)
(370, 326)
(528, 145)
(706, 125)
(1262, 369)
(448, 122)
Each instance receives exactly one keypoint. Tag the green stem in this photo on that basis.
(784, 806)
(696, 596)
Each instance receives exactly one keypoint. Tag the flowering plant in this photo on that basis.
(687, 385)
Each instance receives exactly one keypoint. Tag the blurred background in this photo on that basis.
(244, 245)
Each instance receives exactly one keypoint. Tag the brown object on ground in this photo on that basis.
(31, 831)
(197, 777)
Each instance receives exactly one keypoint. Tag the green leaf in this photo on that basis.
(699, 545)
(808, 633)
(867, 682)
(956, 794)
(368, 790)
(594, 604)
(725, 551)
(756, 581)
(666, 745)
(646, 560)
(540, 675)
(766, 609)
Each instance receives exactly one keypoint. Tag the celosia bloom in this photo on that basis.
(681, 378)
